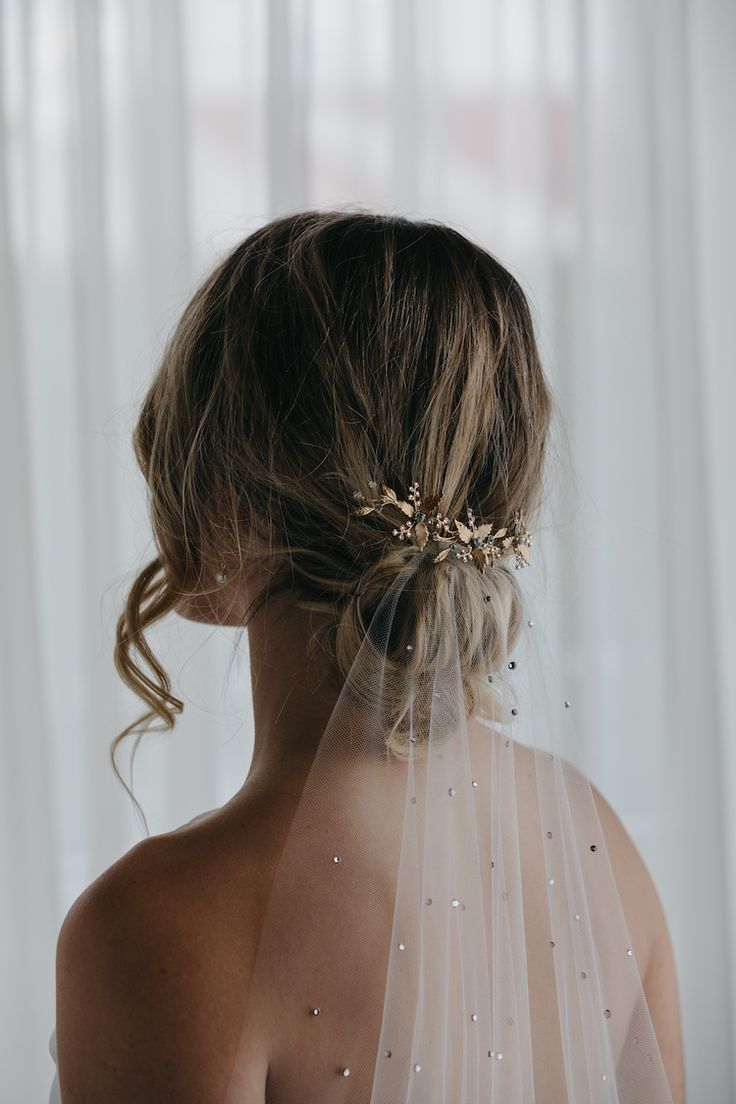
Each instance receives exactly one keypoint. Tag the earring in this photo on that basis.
(221, 575)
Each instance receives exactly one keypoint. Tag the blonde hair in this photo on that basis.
(329, 349)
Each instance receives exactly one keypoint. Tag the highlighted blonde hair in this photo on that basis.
(328, 349)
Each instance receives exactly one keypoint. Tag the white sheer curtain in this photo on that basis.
(589, 145)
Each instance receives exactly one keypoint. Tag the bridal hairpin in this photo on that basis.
(470, 542)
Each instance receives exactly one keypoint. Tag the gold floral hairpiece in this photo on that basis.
(426, 522)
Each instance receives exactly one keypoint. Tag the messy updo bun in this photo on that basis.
(329, 349)
(419, 650)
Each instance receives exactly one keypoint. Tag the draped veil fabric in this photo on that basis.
(444, 925)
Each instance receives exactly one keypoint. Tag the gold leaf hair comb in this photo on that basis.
(425, 522)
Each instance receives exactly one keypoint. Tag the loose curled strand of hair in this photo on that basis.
(149, 600)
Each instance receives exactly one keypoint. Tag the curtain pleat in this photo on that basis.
(29, 872)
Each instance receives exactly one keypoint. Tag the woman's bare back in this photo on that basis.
(159, 996)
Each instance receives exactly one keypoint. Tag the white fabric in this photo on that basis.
(54, 1094)
(587, 144)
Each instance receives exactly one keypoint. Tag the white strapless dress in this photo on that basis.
(54, 1095)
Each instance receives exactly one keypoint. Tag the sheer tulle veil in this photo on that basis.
(444, 924)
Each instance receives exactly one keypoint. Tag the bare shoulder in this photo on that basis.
(639, 896)
(650, 935)
(643, 913)
(153, 964)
